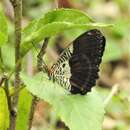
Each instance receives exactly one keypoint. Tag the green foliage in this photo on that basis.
(55, 22)
(58, 15)
(8, 56)
(3, 28)
(4, 112)
(24, 107)
(76, 111)
(65, 15)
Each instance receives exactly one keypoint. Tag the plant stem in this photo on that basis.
(18, 18)
(41, 66)
(17, 7)
(6, 88)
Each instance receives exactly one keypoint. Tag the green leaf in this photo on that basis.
(3, 28)
(24, 105)
(53, 29)
(8, 56)
(76, 111)
(65, 15)
(55, 22)
(4, 112)
(57, 15)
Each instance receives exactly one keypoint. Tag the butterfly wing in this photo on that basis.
(84, 57)
(85, 60)
(60, 71)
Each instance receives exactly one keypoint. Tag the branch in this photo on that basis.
(17, 7)
(31, 115)
(18, 18)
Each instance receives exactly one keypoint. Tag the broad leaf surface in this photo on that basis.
(24, 107)
(76, 111)
(4, 112)
(57, 15)
(8, 56)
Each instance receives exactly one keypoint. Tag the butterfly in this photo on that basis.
(78, 65)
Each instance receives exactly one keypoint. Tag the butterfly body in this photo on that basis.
(78, 66)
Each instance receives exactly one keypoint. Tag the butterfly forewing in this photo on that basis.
(78, 66)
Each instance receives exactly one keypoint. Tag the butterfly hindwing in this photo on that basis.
(81, 60)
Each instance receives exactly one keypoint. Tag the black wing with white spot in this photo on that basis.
(78, 66)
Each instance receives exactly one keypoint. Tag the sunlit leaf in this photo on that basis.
(4, 112)
(53, 29)
(24, 108)
(8, 56)
(58, 15)
(76, 111)
(53, 23)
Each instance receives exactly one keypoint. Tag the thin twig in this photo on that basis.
(32, 110)
(40, 65)
(114, 90)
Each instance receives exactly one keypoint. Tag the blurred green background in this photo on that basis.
(116, 61)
